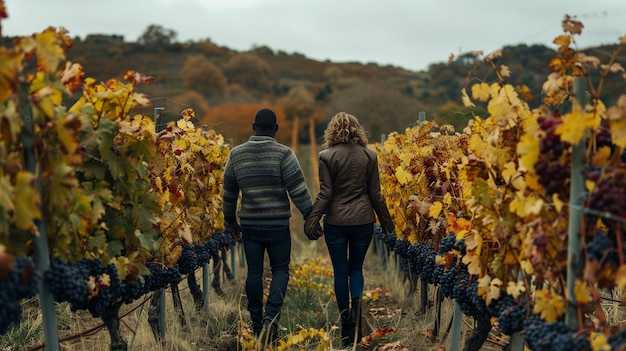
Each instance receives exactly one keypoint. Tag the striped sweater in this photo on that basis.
(267, 174)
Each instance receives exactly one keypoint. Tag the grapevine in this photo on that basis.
(500, 249)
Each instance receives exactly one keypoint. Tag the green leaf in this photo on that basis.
(147, 239)
(115, 248)
(482, 193)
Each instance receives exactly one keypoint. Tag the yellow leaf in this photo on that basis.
(572, 130)
(549, 305)
(515, 289)
(601, 157)
(26, 201)
(483, 287)
(617, 122)
(9, 113)
(505, 71)
(527, 267)
(599, 342)
(122, 263)
(403, 176)
(620, 278)
(495, 287)
(49, 51)
(447, 199)
(435, 209)
(581, 293)
(481, 92)
(10, 66)
(523, 205)
(558, 204)
(466, 100)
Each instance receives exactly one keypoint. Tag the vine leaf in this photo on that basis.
(26, 201)
(581, 293)
(515, 289)
(549, 305)
(617, 118)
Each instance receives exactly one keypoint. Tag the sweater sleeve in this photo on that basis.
(295, 184)
(230, 195)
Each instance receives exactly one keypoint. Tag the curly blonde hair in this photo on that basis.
(344, 128)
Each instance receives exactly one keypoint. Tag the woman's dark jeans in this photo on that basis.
(347, 246)
(277, 241)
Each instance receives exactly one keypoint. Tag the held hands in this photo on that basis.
(388, 226)
(315, 234)
(312, 229)
(235, 231)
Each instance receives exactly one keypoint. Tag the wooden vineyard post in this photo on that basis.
(574, 263)
(42, 257)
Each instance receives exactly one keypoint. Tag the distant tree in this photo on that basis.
(237, 93)
(234, 121)
(195, 100)
(203, 76)
(298, 105)
(380, 107)
(332, 74)
(249, 71)
(208, 48)
(155, 35)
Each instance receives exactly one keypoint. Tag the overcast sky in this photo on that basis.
(407, 33)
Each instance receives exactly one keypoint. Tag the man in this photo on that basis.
(267, 174)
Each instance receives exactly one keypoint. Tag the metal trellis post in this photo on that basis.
(206, 280)
(42, 257)
(574, 263)
(457, 324)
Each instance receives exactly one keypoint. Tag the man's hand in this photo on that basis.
(235, 231)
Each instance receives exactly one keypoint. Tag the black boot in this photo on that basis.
(269, 334)
(347, 328)
(355, 319)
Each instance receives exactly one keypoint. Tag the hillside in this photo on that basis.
(224, 85)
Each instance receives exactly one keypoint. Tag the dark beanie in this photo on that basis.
(265, 118)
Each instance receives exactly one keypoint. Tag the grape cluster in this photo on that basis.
(554, 336)
(187, 261)
(609, 193)
(550, 169)
(194, 256)
(20, 283)
(67, 283)
(511, 319)
(160, 277)
(447, 243)
(618, 340)
(603, 135)
(600, 246)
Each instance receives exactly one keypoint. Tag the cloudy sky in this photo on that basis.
(406, 33)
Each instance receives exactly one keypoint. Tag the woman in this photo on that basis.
(350, 199)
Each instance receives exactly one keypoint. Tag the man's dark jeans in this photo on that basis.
(276, 240)
(347, 246)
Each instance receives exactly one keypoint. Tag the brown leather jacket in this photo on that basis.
(349, 189)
